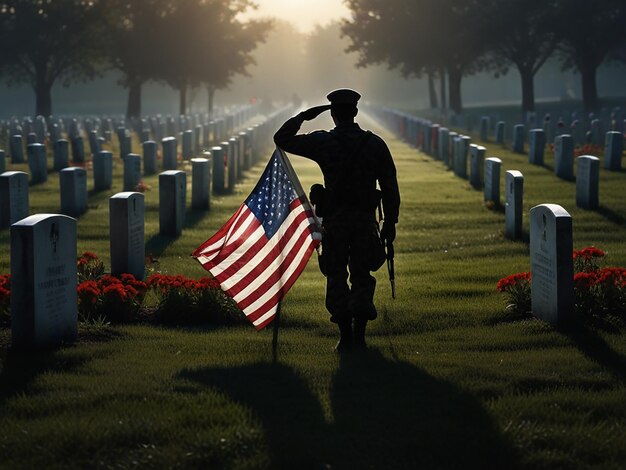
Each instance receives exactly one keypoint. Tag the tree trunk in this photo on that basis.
(590, 88)
(454, 84)
(133, 106)
(442, 87)
(43, 99)
(182, 103)
(528, 90)
(432, 93)
(210, 95)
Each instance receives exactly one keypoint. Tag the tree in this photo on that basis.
(210, 45)
(48, 41)
(523, 34)
(420, 37)
(590, 31)
(135, 32)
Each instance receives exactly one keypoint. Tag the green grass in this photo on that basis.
(448, 381)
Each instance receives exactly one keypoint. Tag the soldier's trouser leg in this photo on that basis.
(362, 282)
(336, 251)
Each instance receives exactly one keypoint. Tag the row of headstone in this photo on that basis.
(552, 274)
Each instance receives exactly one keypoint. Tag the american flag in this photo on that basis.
(260, 252)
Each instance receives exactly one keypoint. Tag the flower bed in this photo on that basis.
(170, 299)
(598, 292)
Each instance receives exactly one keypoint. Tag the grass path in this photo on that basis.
(448, 381)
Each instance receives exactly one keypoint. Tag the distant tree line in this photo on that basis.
(457, 38)
(184, 43)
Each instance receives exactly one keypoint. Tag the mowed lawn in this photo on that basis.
(449, 380)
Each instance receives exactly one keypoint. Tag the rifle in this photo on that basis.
(391, 268)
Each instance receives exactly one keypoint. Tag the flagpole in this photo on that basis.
(275, 336)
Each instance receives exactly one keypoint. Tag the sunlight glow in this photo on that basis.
(303, 14)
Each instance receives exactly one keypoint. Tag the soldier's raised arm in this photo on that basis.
(288, 139)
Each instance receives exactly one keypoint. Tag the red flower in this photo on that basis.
(588, 253)
(115, 292)
(584, 281)
(506, 283)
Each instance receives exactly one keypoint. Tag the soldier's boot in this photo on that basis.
(358, 339)
(345, 339)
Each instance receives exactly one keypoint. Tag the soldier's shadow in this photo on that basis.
(387, 414)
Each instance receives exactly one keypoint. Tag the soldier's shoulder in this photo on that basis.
(376, 139)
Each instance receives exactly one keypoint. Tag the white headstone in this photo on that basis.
(16, 147)
(78, 150)
(232, 153)
(477, 159)
(551, 264)
(126, 232)
(493, 167)
(73, 184)
(61, 154)
(564, 157)
(518, 138)
(169, 153)
(103, 170)
(500, 126)
(613, 149)
(536, 146)
(37, 163)
(200, 182)
(13, 197)
(187, 144)
(132, 171)
(219, 164)
(149, 157)
(172, 202)
(44, 305)
(513, 210)
(587, 182)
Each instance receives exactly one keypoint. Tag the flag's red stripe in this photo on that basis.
(221, 233)
(274, 277)
(270, 256)
(273, 301)
(233, 243)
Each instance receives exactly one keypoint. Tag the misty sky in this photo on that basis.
(304, 14)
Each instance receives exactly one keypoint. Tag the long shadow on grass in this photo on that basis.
(388, 414)
(18, 369)
(611, 215)
(291, 415)
(157, 244)
(592, 345)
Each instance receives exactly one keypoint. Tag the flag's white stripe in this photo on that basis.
(223, 240)
(259, 257)
(265, 316)
(236, 255)
(277, 286)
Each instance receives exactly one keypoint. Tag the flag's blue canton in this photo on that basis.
(271, 198)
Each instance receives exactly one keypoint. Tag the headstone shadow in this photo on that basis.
(592, 345)
(194, 216)
(157, 244)
(611, 215)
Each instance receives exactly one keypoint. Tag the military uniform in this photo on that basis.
(352, 161)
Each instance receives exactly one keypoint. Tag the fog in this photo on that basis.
(307, 66)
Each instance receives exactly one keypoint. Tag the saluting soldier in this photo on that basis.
(353, 161)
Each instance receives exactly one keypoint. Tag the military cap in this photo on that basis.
(343, 96)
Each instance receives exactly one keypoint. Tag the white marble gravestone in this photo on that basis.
(149, 157)
(500, 127)
(551, 264)
(13, 197)
(103, 170)
(518, 138)
(493, 168)
(126, 232)
(170, 149)
(477, 162)
(132, 171)
(73, 185)
(187, 149)
(200, 182)
(536, 146)
(217, 154)
(37, 163)
(16, 147)
(613, 148)
(587, 182)
(564, 157)
(61, 154)
(172, 202)
(513, 210)
(44, 305)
